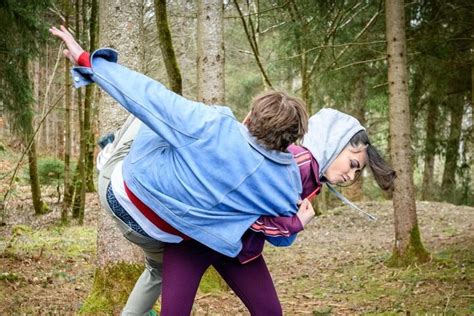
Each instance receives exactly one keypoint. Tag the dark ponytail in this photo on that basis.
(384, 175)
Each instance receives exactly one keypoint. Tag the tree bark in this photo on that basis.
(210, 55)
(67, 127)
(88, 103)
(38, 204)
(119, 262)
(448, 184)
(166, 46)
(78, 182)
(408, 247)
(210, 68)
(430, 149)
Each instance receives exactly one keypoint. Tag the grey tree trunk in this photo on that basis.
(119, 263)
(210, 51)
(210, 68)
(408, 247)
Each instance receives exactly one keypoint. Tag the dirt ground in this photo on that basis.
(336, 266)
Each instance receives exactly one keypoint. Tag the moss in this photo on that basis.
(10, 277)
(415, 252)
(67, 241)
(44, 208)
(212, 282)
(112, 286)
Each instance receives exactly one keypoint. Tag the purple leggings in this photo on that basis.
(184, 265)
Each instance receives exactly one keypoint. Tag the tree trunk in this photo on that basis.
(44, 61)
(430, 149)
(408, 247)
(67, 127)
(78, 182)
(210, 51)
(166, 46)
(119, 262)
(38, 204)
(448, 184)
(210, 69)
(88, 102)
(357, 109)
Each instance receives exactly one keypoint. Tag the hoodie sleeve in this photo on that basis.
(277, 226)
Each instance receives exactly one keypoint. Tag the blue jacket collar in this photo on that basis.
(284, 158)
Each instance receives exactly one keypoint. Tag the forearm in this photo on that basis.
(278, 226)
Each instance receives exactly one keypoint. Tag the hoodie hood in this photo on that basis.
(329, 131)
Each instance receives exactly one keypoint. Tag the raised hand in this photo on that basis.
(74, 50)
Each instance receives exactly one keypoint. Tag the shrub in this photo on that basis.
(50, 171)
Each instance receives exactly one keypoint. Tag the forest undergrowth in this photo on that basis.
(335, 267)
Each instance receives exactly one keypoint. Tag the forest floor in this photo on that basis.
(335, 267)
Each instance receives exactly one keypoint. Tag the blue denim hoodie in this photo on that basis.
(195, 165)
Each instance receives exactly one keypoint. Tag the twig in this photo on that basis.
(361, 62)
(362, 32)
(58, 57)
(253, 46)
(448, 299)
(258, 13)
(380, 85)
(337, 46)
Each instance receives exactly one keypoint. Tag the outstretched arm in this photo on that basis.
(176, 119)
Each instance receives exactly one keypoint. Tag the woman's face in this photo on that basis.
(347, 165)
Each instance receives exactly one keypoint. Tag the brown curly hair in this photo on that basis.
(277, 119)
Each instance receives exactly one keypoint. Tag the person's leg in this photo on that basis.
(183, 267)
(147, 289)
(252, 283)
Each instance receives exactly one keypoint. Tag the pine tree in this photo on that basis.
(22, 32)
(408, 247)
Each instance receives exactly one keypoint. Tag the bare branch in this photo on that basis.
(252, 45)
(259, 13)
(364, 29)
(336, 46)
(361, 62)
